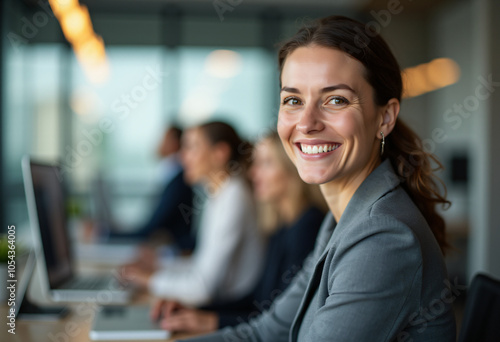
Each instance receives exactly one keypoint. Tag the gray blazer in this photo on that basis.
(376, 275)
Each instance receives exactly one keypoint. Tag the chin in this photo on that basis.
(314, 175)
(312, 178)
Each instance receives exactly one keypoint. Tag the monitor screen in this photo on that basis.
(50, 202)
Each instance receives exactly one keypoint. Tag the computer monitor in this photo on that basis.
(49, 212)
(21, 307)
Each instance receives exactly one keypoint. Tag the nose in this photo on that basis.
(309, 120)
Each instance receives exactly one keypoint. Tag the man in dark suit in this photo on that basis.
(168, 216)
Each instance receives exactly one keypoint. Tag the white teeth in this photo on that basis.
(315, 149)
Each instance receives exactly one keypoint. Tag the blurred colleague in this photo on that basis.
(227, 260)
(168, 217)
(292, 211)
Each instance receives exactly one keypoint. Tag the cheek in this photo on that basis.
(286, 122)
(197, 160)
(285, 130)
(263, 177)
(271, 178)
(347, 125)
(205, 161)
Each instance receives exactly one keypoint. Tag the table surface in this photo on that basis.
(72, 328)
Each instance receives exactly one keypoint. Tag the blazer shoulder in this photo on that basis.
(392, 222)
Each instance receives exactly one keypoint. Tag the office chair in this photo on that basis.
(481, 321)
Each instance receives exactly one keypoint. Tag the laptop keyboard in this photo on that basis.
(88, 283)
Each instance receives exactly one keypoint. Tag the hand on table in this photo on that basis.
(175, 317)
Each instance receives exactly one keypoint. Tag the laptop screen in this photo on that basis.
(50, 203)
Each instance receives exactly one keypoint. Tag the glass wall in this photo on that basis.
(109, 132)
(32, 118)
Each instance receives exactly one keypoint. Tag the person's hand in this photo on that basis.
(175, 317)
(134, 274)
(191, 321)
(163, 308)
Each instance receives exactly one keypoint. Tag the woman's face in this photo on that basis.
(328, 121)
(196, 156)
(268, 175)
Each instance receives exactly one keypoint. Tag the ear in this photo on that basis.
(390, 113)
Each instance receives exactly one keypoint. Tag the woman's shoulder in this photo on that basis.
(394, 224)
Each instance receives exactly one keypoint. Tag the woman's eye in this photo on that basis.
(292, 101)
(338, 101)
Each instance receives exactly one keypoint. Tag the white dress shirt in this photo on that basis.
(227, 259)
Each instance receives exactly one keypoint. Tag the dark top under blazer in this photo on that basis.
(377, 275)
(286, 251)
(170, 215)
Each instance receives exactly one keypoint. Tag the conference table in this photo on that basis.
(74, 326)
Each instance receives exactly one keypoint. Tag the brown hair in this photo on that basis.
(403, 147)
(217, 132)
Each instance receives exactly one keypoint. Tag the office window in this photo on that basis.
(234, 85)
(116, 128)
(31, 119)
(111, 130)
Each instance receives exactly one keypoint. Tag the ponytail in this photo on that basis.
(414, 167)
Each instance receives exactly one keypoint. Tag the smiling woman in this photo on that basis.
(353, 95)
(377, 272)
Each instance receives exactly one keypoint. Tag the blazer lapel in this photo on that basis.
(314, 281)
(310, 291)
(379, 182)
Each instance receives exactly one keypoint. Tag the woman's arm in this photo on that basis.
(274, 324)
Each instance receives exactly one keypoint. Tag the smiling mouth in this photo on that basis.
(317, 149)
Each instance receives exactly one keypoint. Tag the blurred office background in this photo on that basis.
(192, 60)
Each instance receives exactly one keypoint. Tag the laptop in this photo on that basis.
(20, 307)
(125, 323)
(46, 200)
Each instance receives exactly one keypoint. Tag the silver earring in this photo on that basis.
(382, 143)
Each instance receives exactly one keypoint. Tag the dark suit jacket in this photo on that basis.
(169, 216)
(286, 251)
(377, 275)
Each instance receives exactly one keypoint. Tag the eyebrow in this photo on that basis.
(324, 90)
